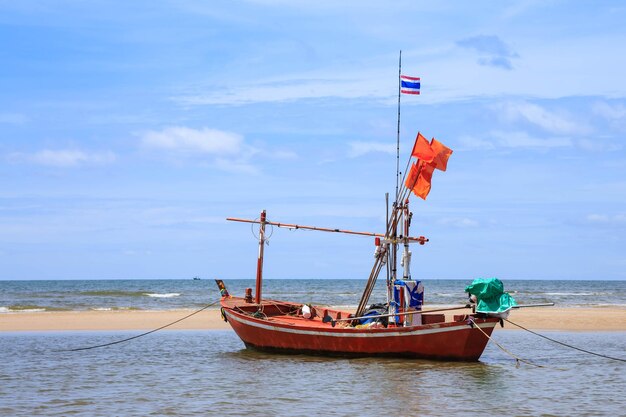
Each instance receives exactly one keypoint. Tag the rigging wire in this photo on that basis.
(517, 358)
(565, 344)
(142, 334)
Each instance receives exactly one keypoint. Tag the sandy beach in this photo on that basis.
(550, 318)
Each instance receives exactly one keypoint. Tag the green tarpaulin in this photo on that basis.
(490, 295)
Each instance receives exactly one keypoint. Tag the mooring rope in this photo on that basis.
(142, 334)
(565, 344)
(517, 358)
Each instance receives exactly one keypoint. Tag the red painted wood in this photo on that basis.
(259, 265)
(457, 341)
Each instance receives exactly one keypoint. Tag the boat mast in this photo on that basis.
(398, 134)
(259, 265)
(406, 254)
(387, 246)
(396, 204)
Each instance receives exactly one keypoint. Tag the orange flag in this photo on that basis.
(422, 149)
(411, 179)
(442, 154)
(422, 188)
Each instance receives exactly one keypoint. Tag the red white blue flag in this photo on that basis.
(409, 85)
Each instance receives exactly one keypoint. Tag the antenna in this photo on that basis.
(398, 136)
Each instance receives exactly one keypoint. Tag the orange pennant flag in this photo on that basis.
(411, 179)
(442, 154)
(419, 179)
(422, 188)
(422, 149)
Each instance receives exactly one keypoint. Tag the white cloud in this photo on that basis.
(227, 150)
(594, 145)
(493, 51)
(521, 7)
(184, 139)
(615, 220)
(512, 140)
(534, 114)
(614, 114)
(293, 87)
(283, 154)
(524, 140)
(474, 143)
(445, 69)
(609, 112)
(67, 158)
(361, 148)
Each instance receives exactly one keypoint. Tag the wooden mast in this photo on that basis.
(259, 265)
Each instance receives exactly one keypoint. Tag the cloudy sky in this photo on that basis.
(129, 131)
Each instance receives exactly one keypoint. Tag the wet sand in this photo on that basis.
(548, 318)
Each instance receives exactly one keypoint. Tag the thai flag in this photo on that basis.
(409, 85)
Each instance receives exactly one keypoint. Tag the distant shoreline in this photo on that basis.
(211, 280)
(548, 318)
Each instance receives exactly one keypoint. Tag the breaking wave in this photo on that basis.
(113, 293)
(166, 295)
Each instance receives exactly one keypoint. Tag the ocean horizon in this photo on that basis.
(173, 294)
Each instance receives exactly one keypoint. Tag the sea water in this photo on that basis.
(20, 296)
(182, 373)
(210, 373)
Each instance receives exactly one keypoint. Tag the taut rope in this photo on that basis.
(565, 344)
(142, 334)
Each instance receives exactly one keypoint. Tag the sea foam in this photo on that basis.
(166, 295)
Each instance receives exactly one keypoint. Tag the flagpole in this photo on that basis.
(398, 135)
(396, 205)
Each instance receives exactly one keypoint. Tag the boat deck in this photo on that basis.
(299, 320)
(284, 312)
(290, 314)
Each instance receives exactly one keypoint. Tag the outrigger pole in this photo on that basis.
(421, 239)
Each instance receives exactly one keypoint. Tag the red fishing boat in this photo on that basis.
(400, 327)
(278, 326)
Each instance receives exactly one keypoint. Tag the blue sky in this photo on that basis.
(129, 131)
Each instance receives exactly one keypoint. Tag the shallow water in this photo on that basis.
(181, 373)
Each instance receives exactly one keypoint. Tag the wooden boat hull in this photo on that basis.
(451, 341)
